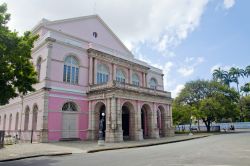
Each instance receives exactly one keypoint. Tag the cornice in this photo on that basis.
(116, 60)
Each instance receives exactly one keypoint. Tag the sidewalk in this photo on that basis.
(27, 150)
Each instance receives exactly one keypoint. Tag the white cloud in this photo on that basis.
(163, 23)
(177, 90)
(228, 3)
(186, 71)
(190, 63)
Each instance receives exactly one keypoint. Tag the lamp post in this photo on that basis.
(190, 125)
(101, 132)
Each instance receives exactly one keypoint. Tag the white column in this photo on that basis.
(143, 80)
(90, 70)
(95, 71)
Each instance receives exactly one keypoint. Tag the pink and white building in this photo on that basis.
(86, 73)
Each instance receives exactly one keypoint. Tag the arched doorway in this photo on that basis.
(125, 122)
(69, 121)
(146, 121)
(160, 120)
(34, 118)
(128, 121)
(100, 119)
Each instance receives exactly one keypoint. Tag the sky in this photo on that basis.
(187, 39)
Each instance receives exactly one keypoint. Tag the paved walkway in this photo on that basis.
(26, 150)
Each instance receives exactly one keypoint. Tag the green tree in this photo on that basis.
(245, 102)
(223, 77)
(245, 88)
(17, 73)
(247, 71)
(212, 100)
(236, 73)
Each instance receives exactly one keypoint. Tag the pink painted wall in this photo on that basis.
(56, 101)
(84, 29)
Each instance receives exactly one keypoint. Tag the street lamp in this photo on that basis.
(101, 132)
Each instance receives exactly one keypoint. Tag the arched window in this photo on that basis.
(71, 70)
(10, 121)
(135, 79)
(17, 120)
(4, 122)
(153, 83)
(34, 117)
(26, 119)
(120, 77)
(38, 68)
(69, 106)
(102, 74)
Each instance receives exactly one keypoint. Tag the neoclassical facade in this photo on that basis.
(87, 79)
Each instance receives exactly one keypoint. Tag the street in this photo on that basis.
(219, 150)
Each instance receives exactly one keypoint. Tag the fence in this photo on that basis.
(237, 125)
(183, 128)
(1, 139)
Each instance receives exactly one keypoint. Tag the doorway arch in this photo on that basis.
(100, 115)
(160, 120)
(69, 121)
(146, 120)
(128, 121)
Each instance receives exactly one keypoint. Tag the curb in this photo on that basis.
(143, 145)
(38, 155)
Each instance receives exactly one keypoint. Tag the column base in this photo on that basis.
(170, 132)
(44, 136)
(113, 136)
(91, 135)
(139, 135)
(155, 133)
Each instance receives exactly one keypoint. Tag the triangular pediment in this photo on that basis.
(91, 28)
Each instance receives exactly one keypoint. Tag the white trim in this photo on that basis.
(67, 97)
(66, 130)
(72, 91)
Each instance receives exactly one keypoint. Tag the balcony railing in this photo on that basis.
(130, 87)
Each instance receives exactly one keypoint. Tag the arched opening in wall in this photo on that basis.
(17, 121)
(10, 121)
(128, 121)
(100, 119)
(69, 121)
(146, 120)
(34, 118)
(160, 120)
(4, 122)
(26, 118)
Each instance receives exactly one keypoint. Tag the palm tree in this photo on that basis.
(223, 77)
(236, 73)
(218, 74)
(245, 88)
(247, 71)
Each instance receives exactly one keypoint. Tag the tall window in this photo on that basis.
(10, 121)
(26, 119)
(17, 120)
(102, 74)
(71, 70)
(4, 122)
(153, 83)
(34, 117)
(69, 106)
(135, 79)
(120, 77)
(38, 68)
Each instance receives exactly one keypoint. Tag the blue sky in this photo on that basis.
(185, 38)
